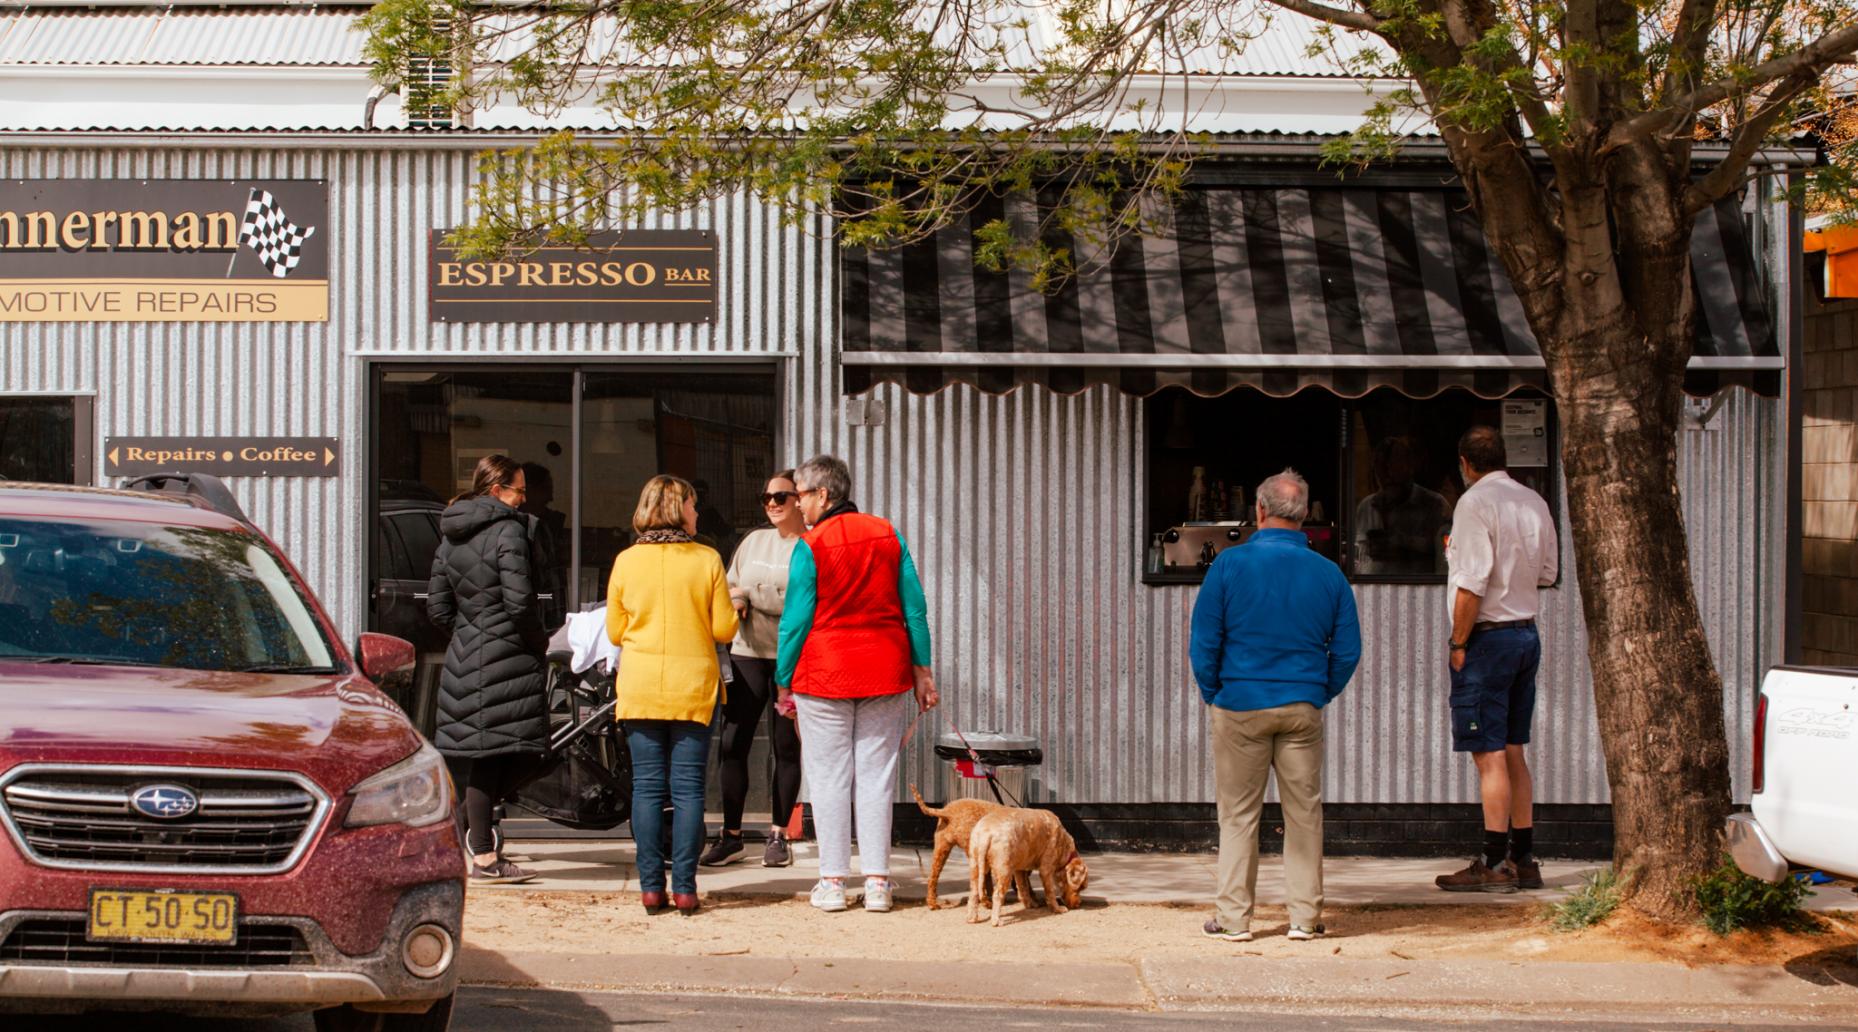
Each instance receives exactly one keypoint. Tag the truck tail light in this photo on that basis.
(1761, 742)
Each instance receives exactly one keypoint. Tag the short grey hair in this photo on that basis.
(829, 472)
(1285, 496)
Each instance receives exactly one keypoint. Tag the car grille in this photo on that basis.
(61, 940)
(76, 818)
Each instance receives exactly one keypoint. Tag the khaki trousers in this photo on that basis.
(1246, 747)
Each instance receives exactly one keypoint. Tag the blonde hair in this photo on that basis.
(661, 504)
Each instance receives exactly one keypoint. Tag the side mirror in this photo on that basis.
(383, 654)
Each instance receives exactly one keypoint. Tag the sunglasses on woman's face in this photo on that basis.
(778, 497)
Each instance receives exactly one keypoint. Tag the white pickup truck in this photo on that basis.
(1805, 784)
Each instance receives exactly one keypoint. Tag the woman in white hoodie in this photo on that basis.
(758, 586)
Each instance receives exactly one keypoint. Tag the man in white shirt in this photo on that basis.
(1502, 549)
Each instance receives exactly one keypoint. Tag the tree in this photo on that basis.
(1573, 126)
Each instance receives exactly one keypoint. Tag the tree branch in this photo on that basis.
(1333, 15)
(1465, 34)
(1581, 43)
(1748, 139)
(1689, 46)
(1827, 50)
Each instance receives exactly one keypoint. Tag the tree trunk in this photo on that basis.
(1658, 695)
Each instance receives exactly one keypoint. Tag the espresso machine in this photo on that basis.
(1195, 544)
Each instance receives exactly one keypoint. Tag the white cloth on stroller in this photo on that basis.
(588, 643)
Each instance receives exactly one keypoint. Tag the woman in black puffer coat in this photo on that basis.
(493, 702)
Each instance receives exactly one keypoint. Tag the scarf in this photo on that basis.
(837, 510)
(663, 537)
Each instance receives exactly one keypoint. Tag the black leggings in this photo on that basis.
(751, 695)
(486, 782)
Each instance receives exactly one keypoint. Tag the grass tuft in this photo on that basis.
(1588, 905)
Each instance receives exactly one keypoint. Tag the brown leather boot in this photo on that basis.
(1479, 877)
(1528, 873)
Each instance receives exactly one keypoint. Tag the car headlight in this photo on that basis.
(416, 792)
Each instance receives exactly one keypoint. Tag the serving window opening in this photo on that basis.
(1382, 469)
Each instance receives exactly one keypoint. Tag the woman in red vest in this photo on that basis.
(854, 660)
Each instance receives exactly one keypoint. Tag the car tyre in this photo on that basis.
(347, 1019)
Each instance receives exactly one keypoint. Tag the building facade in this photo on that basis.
(1035, 453)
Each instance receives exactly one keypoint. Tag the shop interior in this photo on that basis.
(1382, 470)
(589, 439)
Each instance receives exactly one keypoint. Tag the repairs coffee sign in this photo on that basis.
(222, 456)
(164, 250)
(638, 275)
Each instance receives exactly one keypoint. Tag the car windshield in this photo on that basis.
(146, 595)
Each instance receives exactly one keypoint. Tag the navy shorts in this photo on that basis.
(1493, 697)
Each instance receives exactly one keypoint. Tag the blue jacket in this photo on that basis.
(1274, 624)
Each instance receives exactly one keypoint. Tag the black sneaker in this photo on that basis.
(777, 853)
(723, 852)
(502, 872)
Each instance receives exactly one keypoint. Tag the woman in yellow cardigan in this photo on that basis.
(667, 609)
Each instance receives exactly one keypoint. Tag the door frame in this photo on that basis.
(579, 367)
(84, 471)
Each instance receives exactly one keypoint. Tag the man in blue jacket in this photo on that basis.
(1275, 639)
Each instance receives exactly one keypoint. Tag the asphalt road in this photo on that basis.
(513, 1010)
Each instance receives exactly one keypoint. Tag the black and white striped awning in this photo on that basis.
(1280, 289)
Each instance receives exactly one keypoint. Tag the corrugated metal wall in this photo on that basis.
(1019, 508)
(311, 379)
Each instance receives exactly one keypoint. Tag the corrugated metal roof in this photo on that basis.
(154, 36)
(1280, 46)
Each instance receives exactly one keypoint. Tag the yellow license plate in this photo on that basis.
(133, 915)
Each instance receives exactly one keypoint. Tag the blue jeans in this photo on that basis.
(674, 753)
(1493, 697)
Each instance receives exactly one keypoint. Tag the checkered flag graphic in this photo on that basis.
(271, 235)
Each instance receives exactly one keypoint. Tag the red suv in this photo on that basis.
(205, 803)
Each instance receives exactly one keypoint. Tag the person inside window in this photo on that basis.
(1399, 528)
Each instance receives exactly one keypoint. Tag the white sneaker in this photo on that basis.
(1298, 933)
(877, 895)
(829, 896)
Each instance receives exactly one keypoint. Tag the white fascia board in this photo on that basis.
(255, 99)
(210, 97)
(184, 73)
(1198, 104)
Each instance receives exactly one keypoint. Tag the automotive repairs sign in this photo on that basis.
(164, 250)
(222, 456)
(638, 275)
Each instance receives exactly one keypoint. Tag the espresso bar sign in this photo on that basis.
(222, 456)
(163, 250)
(639, 275)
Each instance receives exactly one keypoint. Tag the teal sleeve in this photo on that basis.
(797, 613)
(915, 606)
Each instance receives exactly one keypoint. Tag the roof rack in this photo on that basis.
(207, 488)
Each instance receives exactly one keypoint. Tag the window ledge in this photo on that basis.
(1165, 579)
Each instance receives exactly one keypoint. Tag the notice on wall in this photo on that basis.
(639, 275)
(223, 456)
(1525, 431)
(164, 250)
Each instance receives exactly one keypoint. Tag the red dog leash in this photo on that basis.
(974, 757)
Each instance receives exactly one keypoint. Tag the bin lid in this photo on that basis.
(989, 741)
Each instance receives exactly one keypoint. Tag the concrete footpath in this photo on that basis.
(1317, 985)
(1173, 878)
(1323, 977)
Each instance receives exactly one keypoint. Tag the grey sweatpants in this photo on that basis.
(849, 748)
